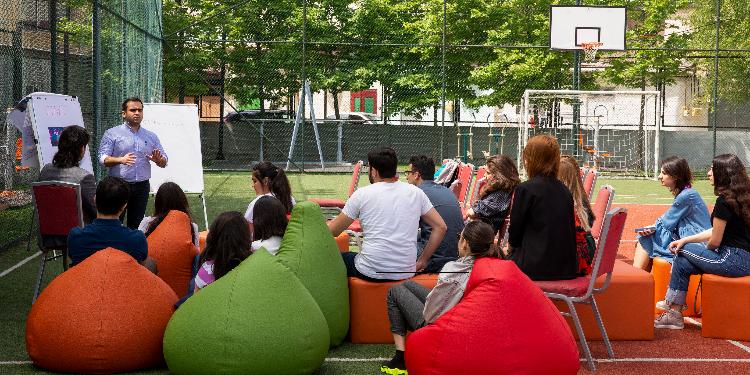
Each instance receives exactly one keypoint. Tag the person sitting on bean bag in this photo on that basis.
(412, 306)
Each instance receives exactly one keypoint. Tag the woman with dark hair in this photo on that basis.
(687, 216)
(412, 306)
(269, 225)
(541, 233)
(493, 204)
(71, 148)
(227, 245)
(270, 180)
(723, 249)
(169, 197)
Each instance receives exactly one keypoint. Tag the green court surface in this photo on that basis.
(233, 191)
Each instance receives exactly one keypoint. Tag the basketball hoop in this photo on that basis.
(589, 50)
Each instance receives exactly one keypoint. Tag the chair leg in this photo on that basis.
(38, 285)
(603, 330)
(66, 261)
(581, 336)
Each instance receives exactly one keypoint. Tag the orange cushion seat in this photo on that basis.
(107, 314)
(662, 271)
(342, 241)
(171, 246)
(202, 240)
(626, 306)
(368, 323)
(726, 303)
(328, 202)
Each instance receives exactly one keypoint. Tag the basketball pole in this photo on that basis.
(576, 86)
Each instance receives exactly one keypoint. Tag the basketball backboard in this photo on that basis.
(570, 26)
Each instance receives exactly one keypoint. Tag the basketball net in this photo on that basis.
(589, 50)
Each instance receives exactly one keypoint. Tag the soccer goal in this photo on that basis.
(616, 132)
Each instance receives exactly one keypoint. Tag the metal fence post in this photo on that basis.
(715, 92)
(97, 82)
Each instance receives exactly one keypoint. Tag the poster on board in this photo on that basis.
(48, 114)
(178, 129)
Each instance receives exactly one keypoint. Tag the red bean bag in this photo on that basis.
(107, 314)
(171, 246)
(503, 325)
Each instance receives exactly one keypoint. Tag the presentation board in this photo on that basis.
(47, 115)
(178, 130)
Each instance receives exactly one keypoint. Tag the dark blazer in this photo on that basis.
(542, 230)
(79, 176)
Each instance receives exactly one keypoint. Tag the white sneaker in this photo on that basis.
(670, 319)
(663, 305)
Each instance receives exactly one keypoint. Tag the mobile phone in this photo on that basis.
(650, 227)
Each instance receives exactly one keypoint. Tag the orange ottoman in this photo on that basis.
(726, 307)
(662, 271)
(107, 314)
(368, 322)
(626, 306)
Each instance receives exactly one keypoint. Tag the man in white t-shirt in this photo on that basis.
(389, 212)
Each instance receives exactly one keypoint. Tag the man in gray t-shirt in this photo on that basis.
(421, 173)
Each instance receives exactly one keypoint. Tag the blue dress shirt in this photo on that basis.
(121, 140)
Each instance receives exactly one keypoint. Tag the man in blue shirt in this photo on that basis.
(127, 151)
(107, 230)
(421, 173)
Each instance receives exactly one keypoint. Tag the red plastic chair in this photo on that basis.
(582, 289)
(326, 202)
(601, 206)
(461, 185)
(589, 181)
(479, 182)
(57, 207)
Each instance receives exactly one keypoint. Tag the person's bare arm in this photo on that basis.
(339, 224)
(706, 235)
(111, 161)
(435, 221)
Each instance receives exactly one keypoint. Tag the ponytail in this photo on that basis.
(278, 183)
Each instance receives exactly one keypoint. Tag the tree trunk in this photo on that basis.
(336, 111)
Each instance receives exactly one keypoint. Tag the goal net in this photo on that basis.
(616, 132)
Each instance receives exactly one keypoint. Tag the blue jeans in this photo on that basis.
(695, 259)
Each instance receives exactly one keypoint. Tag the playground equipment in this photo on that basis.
(465, 142)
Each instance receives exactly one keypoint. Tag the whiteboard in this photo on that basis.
(569, 26)
(48, 115)
(178, 130)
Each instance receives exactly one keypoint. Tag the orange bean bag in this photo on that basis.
(202, 240)
(107, 314)
(171, 245)
(503, 325)
(342, 241)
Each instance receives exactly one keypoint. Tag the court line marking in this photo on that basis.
(740, 345)
(19, 264)
(600, 360)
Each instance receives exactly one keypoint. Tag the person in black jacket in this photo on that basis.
(542, 222)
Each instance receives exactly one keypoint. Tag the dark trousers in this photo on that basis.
(136, 204)
(406, 307)
(352, 271)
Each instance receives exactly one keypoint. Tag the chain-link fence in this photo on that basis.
(444, 78)
(99, 51)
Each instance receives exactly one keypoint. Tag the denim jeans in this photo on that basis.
(695, 258)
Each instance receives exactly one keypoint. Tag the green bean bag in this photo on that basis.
(310, 251)
(257, 319)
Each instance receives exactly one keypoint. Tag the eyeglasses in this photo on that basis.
(406, 173)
